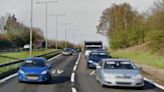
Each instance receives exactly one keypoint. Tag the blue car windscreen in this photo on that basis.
(33, 63)
(98, 57)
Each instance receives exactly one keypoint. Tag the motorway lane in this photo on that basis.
(86, 82)
(59, 83)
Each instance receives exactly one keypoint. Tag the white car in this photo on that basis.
(118, 72)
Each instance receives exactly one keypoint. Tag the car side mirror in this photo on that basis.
(49, 66)
(98, 67)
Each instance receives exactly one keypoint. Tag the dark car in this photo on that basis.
(95, 57)
(34, 70)
(67, 51)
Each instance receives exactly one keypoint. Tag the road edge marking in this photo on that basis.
(8, 77)
(154, 83)
(53, 58)
(15, 74)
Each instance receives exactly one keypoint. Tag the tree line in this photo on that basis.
(126, 27)
(14, 34)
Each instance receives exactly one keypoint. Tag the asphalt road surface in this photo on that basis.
(86, 82)
(62, 69)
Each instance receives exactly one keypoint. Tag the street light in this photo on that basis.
(46, 6)
(31, 27)
(66, 24)
(56, 43)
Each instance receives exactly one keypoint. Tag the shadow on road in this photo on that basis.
(59, 79)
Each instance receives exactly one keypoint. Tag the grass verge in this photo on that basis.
(140, 57)
(12, 56)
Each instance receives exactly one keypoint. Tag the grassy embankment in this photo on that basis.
(12, 56)
(140, 56)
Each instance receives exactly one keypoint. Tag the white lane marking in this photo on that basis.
(93, 72)
(14, 75)
(7, 78)
(53, 58)
(154, 83)
(73, 77)
(73, 73)
(74, 68)
(76, 62)
(53, 71)
(74, 89)
(57, 71)
(60, 71)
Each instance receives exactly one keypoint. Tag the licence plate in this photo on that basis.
(32, 78)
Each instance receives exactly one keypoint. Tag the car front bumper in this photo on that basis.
(32, 78)
(124, 82)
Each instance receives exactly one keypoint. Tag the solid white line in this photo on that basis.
(53, 58)
(14, 75)
(7, 78)
(154, 83)
(92, 73)
(74, 90)
(73, 77)
(74, 68)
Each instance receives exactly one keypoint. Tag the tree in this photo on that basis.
(122, 25)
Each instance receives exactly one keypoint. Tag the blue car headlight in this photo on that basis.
(90, 61)
(45, 72)
(20, 71)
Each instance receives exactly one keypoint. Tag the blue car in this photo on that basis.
(94, 58)
(34, 70)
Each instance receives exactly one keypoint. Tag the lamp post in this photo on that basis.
(56, 43)
(46, 13)
(66, 25)
(31, 20)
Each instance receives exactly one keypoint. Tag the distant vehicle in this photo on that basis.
(92, 45)
(95, 57)
(67, 51)
(26, 47)
(34, 70)
(119, 72)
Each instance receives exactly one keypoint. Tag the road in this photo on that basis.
(86, 82)
(60, 81)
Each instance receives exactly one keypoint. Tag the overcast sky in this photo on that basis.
(83, 14)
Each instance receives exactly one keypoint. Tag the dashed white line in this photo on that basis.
(74, 89)
(73, 77)
(74, 68)
(92, 73)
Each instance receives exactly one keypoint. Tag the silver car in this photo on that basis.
(118, 72)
